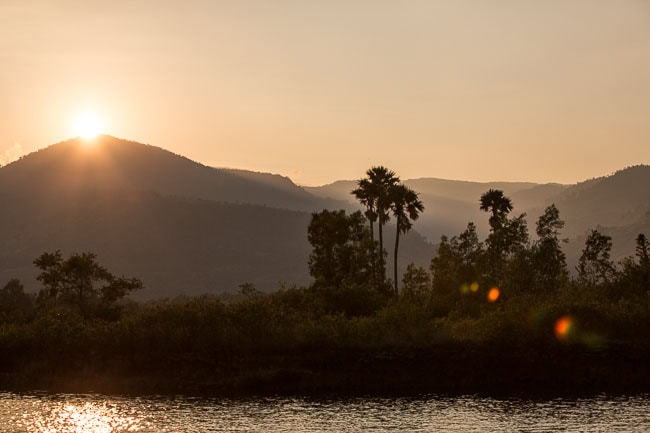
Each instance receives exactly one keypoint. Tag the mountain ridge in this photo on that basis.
(188, 228)
(182, 227)
(85, 163)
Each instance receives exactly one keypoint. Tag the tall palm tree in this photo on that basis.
(406, 207)
(383, 180)
(373, 192)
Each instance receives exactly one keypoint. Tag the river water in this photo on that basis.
(50, 413)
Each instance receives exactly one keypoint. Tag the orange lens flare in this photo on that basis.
(493, 294)
(563, 327)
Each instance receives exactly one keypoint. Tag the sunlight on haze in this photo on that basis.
(88, 125)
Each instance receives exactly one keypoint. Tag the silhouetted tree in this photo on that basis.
(643, 255)
(406, 207)
(470, 250)
(507, 239)
(446, 274)
(15, 304)
(548, 258)
(373, 192)
(457, 263)
(643, 251)
(595, 266)
(634, 278)
(518, 272)
(495, 202)
(80, 282)
(416, 284)
(342, 249)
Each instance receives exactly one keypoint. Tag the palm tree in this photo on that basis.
(383, 180)
(494, 201)
(406, 207)
(367, 195)
(373, 192)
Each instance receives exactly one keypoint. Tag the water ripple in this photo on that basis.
(65, 413)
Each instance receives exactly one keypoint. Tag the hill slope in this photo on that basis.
(181, 227)
(618, 200)
(176, 245)
(109, 162)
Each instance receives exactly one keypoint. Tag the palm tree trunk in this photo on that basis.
(382, 271)
(395, 257)
(374, 258)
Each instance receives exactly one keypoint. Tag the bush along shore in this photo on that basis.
(299, 340)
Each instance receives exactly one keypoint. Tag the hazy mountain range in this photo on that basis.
(186, 228)
(180, 226)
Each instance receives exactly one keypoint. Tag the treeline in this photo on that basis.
(468, 272)
(499, 314)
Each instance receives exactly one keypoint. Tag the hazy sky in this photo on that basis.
(320, 90)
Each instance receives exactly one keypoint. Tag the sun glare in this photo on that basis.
(88, 126)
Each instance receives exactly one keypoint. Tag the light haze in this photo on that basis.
(543, 91)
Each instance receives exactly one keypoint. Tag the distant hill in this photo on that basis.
(182, 227)
(452, 204)
(176, 245)
(617, 205)
(618, 200)
(109, 162)
(538, 196)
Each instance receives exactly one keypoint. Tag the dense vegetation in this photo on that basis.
(499, 315)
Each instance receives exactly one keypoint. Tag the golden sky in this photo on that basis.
(320, 90)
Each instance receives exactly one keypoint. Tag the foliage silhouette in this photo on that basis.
(508, 238)
(416, 285)
(15, 304)
(595, 267)
(80, 282)
(495, 202)
(374, 193)
(343, 251)
(549, 261)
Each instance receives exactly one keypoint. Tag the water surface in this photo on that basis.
(107, 414)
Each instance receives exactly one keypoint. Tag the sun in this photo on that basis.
(88, 125)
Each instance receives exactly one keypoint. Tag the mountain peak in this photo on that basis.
(105, 144)
(110, 163)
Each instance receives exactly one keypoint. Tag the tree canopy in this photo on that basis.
(80, 282)
(342, 249)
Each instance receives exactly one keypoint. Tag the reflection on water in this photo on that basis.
(66, 413)
(107, 414)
